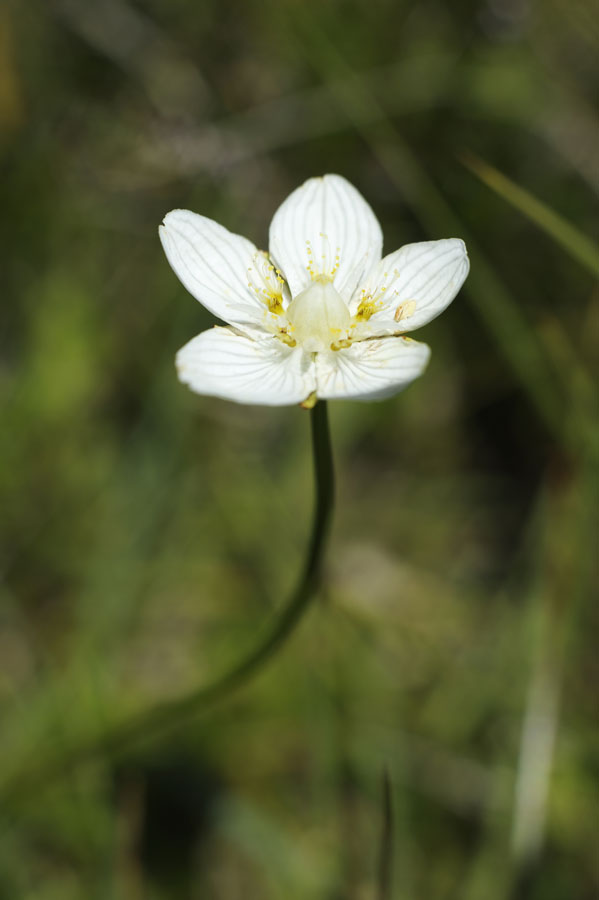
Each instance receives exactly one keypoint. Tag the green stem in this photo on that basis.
(171, 714)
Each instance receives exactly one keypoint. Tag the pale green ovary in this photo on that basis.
(318, 317)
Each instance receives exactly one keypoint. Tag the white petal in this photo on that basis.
(370, 370)
(412, 286)
(325, 227)
(216, 266)
(222, 363)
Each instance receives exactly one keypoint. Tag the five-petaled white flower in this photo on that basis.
(321, 316)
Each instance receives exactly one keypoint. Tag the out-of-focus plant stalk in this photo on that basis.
(567, 579)
(385, 863)
(563, 232)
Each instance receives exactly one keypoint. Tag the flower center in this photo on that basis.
(318, 317)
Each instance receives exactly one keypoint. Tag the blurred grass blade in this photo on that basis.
(385, 869)
(563, 232)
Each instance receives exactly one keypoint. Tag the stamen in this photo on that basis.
(368, 306)
(328, 267)
(287, 339)
(372, 302)
(267, 283)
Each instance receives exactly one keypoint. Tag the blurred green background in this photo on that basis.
(148, 534)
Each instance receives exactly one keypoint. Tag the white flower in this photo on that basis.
(321, 316)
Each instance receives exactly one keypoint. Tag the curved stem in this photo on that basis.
(169, 714)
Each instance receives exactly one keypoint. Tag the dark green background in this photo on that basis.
(148, 533)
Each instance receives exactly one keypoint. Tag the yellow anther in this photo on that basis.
(266, 283)
(287, 339)
(368, 306)
(327, 265)
(405, 310)
(274, 303)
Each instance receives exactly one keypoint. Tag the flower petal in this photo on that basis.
(325, 227)
(370, 370)
(412, 286)
(222, 363)
(224, 271)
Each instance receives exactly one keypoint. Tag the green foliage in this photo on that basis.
(148, 534)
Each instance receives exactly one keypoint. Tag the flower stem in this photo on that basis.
(168, 715)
